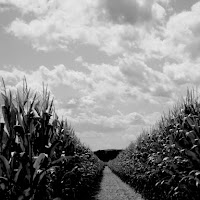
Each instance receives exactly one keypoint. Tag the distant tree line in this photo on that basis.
(106, 155)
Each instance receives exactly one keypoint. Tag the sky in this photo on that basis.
(113, 66)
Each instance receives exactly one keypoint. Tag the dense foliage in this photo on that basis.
(40, 156)
(107, 154)
(164, 163)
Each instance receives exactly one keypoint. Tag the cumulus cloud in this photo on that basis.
(140, 75)
(107, 124)
(33, 6)
(182, 34)
(104, 24)
(4, 6)
(101, 84)
(58, 75)
(158, 12)
(177, 47)
(183, 73)
(55, 23)
(79, 59)
(128, 11)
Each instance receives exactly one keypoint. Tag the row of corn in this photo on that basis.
(164, 163)
(40, 156)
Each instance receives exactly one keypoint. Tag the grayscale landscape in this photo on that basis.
(99, 99)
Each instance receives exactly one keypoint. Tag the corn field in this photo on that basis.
(40, 156)
(164, 163)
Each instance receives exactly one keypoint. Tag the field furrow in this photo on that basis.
(112, 188)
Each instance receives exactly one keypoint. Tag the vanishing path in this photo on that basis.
(112, 188)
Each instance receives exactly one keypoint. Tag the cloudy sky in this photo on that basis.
(114, 66)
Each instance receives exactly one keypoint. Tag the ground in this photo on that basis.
(112, 188)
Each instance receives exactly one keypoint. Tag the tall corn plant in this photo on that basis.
(30, 142)
(165, 164)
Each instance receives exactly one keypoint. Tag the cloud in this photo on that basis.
(128, 11)
(165, 2)
(90, 121)
(58, 75)
(12, 77)
(140, 75)
(4, 6)
(158, 12)
(184, 73)
(100, 84)
(178, 47)
(33, 6)
(43, 33)
(55, 23)
(112, 26)
(59, 31)
(182, 34)
(133, 11)
(79, 59)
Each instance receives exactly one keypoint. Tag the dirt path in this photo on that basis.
(112, 188)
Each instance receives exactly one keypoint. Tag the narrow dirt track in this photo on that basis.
(112, 188)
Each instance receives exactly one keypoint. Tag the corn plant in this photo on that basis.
(165, 162)
(26, 142)
(39, 154)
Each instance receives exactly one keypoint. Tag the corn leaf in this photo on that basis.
(6, 165)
